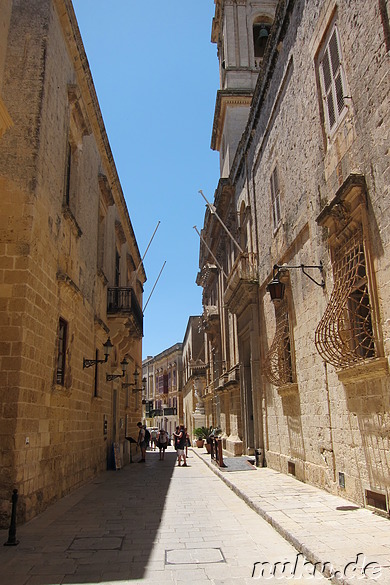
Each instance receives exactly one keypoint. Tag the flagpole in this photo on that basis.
(150, 241)
(214, 212)
(214, 258)
(154, 286)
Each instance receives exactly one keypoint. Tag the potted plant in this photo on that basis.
(200, 435)
(203, 434)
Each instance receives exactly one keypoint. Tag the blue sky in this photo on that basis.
(156, 75)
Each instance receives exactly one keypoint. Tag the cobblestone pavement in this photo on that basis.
(156, 523)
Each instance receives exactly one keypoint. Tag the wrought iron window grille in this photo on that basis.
(345, 336)
(278, 365)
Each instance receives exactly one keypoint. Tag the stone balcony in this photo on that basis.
(122, 305)
(210, 318)
(242, 283)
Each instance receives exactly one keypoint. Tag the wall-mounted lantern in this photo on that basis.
(276, 287)
(107, 350)
(124, 364)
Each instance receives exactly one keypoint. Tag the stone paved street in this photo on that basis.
(157, 523)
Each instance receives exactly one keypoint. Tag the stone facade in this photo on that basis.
(5, 17)
(163, 388)
(194, 375)
(71, 275)
(305, 199)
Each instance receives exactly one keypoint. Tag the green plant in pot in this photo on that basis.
(201, 434)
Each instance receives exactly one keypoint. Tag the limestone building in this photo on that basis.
(194, 375)
(71, 277)
(301, 124)
(5, 16)
(163, 388)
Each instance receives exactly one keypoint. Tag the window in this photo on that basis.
(345, 335)
(278, 366)
(332, 80)
(275, 197)
(348, 333)
(68, 171)
(117, 268)
(61, 351)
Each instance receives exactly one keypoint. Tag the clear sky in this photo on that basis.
(156, 76)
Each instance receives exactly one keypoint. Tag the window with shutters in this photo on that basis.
(275, 198)
(332, 80)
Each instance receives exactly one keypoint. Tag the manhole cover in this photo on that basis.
(194, 556)
(95, 543)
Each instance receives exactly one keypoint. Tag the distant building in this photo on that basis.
(163, 388)
(301, 125)
(71, 274)
(194, 375)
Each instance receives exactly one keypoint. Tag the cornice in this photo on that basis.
(225, 98)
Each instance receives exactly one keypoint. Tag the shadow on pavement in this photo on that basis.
(105, 532)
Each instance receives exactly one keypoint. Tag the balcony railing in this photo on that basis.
(170, 411)
(244, 268)
(122, 300)
(242, 281)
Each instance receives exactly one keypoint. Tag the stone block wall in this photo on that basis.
(329, 421)
(53, 434)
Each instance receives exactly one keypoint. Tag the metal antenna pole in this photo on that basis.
(154, 286)
(214, 212)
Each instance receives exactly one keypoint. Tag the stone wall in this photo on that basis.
(329, 422)
(53, 435)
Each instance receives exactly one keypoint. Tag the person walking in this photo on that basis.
(181, 445)
(188, 441)
(162, 443)
(175, 437)
(153, 439)
(141, 441)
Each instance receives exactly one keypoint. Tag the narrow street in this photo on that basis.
(156, 522)
(147, 523)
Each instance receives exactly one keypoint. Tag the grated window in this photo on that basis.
(278, 361)
(344, 336)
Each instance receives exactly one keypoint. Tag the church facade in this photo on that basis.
(294, 257)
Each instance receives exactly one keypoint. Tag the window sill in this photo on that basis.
(368, 370)
(288, 390)
(68, 215)
(62, 390)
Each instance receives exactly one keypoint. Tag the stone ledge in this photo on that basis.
(368, 370)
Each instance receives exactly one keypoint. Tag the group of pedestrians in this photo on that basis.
(160, 439)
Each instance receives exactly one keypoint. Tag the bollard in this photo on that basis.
(259, 457)
(12, 529)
